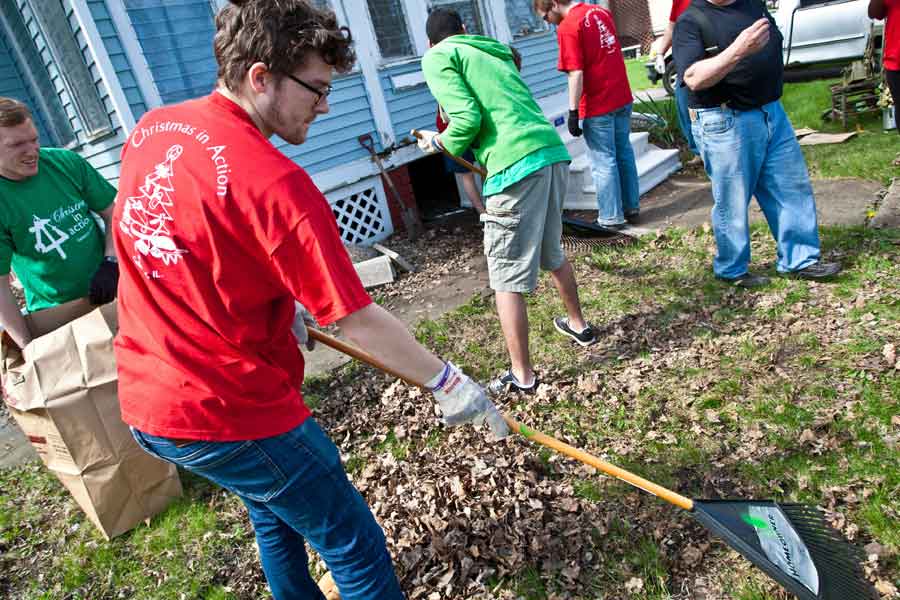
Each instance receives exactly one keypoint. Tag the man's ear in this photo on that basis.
(258, 76)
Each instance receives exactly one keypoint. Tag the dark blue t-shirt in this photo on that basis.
(756, 80)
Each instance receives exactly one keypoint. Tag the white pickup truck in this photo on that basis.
(816, 32)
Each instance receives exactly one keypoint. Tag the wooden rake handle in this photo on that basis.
(458, 160)
(543, 439)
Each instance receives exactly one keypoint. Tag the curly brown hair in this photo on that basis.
(545, 5)
(280, 34)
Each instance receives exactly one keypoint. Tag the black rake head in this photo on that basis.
(793, 544)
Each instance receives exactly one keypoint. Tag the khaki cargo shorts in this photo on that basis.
(523, 229)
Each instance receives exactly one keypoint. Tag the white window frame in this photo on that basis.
(92, 95)
(363, 20)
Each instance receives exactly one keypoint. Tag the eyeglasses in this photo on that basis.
(319, 93)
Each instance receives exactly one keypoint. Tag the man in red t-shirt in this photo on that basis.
(600, 95)
(219, 235)
(658, 49)
(890, 10)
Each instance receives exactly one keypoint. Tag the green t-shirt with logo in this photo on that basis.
(48, 235)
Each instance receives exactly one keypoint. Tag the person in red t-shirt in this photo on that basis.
(220, 236)
(600, 95)
(658, 49)
(890, 10)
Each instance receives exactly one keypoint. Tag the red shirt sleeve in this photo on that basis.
(678, 7)
(570, 58)
(439, 122)
(313, 264)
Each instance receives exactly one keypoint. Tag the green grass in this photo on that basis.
(868, 155)
(730, 383)
(637, 74)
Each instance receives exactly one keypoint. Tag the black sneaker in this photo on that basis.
(817, 270)
(633, 218)
(586, 337)
(508, 381)
(747, 280)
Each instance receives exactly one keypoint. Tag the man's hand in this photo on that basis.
(303, 319)
(105, 283)
(753, 39)
(429, 142)
(464, 401)
(660, 64)
(574, 129)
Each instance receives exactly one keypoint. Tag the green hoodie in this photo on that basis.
(491, 109)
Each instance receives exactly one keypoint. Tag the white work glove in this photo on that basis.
(429, 143)
(464, 401)
(660, 64)
(302, 319)
(654, 48)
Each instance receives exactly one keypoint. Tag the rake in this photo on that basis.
(791, 543)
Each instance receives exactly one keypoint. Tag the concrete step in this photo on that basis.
(640, 142)
(654, 166)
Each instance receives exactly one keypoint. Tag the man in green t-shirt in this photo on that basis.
(491, 109)
(48, 233)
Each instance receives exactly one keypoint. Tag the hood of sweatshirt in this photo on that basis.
(485, 44)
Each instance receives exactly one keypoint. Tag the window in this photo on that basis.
(522, 19)
(76, 77)
(468, 10)
(25, 78)
(391, 30)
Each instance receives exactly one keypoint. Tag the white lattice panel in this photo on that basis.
(361, 211)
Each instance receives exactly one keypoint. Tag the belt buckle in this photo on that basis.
(693, 114)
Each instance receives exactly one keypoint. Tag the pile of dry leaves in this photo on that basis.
(458, 521)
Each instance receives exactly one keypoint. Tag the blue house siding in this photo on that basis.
(177, 41)
(332, 137)
(14, 85)
(117, 57)
(411, 108)
(539, 57)
(103, 154)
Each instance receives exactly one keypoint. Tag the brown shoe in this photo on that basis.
(328, 587)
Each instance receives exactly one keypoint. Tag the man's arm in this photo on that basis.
(576, 87)
(706, 73)
(10, 316)
(452, 93)
(109, 244)
(381, 334)
(665, 40)
(876, 9)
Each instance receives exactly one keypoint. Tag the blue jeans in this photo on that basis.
(684, 117)
(295, 489)
(612, 165)
(755, 153)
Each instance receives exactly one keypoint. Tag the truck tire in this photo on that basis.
(669, 78)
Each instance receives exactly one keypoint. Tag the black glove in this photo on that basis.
(574, 129)
(105, 283)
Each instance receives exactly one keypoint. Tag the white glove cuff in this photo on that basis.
(438, 381)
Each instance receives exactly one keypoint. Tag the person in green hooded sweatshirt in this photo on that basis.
(491, 109)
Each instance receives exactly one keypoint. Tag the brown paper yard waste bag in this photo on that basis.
(62, 391)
